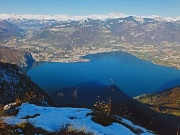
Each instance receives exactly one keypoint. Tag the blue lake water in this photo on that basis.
(132, 75)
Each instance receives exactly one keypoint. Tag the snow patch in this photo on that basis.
(53, 119)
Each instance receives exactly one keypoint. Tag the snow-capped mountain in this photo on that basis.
(128, 29)
(59, 17)
(78, 18)
(131, 29)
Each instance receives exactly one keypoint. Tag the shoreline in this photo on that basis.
(80, 58)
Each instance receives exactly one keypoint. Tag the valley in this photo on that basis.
(166, 55)
(68, 40)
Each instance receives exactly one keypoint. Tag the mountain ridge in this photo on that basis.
(78, 18)
(87, 94)
(166, 101)
(153, 38)
(8, 30)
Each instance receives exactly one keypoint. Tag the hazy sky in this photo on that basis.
(168, 8)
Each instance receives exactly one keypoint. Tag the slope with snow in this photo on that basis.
(15, 84)
(52, 119)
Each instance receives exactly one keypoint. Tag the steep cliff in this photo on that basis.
(20, 58)
(15, 86)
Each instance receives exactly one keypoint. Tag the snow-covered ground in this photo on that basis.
(53, 119)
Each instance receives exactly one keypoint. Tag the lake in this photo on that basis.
(132, 75)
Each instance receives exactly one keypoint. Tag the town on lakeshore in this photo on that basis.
(166, 54)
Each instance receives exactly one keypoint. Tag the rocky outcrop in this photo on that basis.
(20, 58)
(16, 86)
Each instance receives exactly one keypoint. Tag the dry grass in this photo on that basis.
(28, 128)
(167, 102)
(70, 130)
(1, 110)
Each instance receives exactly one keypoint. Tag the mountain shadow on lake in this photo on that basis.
(87, 94)
(170, 84)
(132, 75)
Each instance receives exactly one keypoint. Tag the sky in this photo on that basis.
(165, 8)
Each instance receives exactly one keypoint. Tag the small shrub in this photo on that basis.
(18, 101)
(103, 107)
(102, 113)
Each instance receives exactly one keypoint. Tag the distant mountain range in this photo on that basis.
(112, 31)
(94, 30)
(78, 18)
